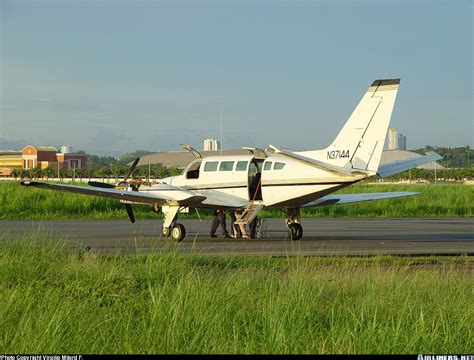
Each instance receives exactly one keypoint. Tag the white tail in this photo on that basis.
(360, 143)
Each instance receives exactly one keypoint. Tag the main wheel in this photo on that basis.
(295, 231)
(178, 233)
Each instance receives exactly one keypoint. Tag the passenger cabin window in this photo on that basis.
(278, 166)
(226, 166)
(241, 166)
(211, 166)
(267, 166)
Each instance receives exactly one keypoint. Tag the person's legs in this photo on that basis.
(243, 231)
(252, 227)
(214, 225)
(221, 217)
(233, 227)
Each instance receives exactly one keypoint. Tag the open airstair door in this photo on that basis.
(250, 212)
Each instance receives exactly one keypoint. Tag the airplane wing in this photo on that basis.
(161, 194)
(403, 165)
(353, 198)
(224, 201)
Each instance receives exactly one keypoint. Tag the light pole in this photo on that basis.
(222, 110)
(468, 151)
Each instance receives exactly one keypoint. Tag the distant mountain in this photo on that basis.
(9, 144)
(126, 158)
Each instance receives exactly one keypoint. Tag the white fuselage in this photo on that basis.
(276, 181)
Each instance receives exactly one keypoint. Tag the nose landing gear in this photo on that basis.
(170, 227)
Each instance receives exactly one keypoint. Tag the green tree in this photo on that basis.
(49, 172)
(17, 173)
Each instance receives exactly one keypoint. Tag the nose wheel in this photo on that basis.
(295, 231)
(177, 232)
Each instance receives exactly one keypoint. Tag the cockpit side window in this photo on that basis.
(193, 170)
(278, 166)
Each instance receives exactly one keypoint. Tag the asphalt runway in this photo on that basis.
(321, 236)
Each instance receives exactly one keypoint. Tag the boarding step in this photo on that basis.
(250, 213)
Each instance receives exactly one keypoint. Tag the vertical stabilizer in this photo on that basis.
(363, 135)
(360, 142)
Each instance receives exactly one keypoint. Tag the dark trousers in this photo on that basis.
(253, 228)
(219, 221)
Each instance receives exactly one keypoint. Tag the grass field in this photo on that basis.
(55, 301)
(18, 202)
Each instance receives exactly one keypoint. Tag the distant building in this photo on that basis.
(402, 142)
(65, 149)
(181, 159)
(10, 160)
(396, 140)
(32, 157)
(389, 156)
(211, 145)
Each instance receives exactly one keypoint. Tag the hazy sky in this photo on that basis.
(110, 77)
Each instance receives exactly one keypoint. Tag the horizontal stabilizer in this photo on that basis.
(312, 162)
(353, 198)
(403, 165)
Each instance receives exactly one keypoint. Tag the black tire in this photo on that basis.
(292, 232)
(299, 231)
(295, 231)
(178, 233)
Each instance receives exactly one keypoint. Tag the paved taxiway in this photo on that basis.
(321, 236)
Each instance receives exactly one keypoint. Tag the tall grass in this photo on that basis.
(18, 202)
(54, 301)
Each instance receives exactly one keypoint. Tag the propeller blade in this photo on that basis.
(132, 169)
(129, 209)
(101, 184)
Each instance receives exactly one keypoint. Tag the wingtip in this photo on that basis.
(434, 155)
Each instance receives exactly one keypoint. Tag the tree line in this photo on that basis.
(114, 171)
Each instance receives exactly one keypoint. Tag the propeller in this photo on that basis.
(128, 207)
(132, 169)
(110, 186)
(129, 210)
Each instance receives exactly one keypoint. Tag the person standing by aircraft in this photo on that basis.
(253, 228)
(219, 221)
(241, 227)
(235, 231)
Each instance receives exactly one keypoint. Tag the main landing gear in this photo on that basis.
(171, 227)
(295, 230)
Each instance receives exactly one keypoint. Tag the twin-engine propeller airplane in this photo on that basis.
(272, 178)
